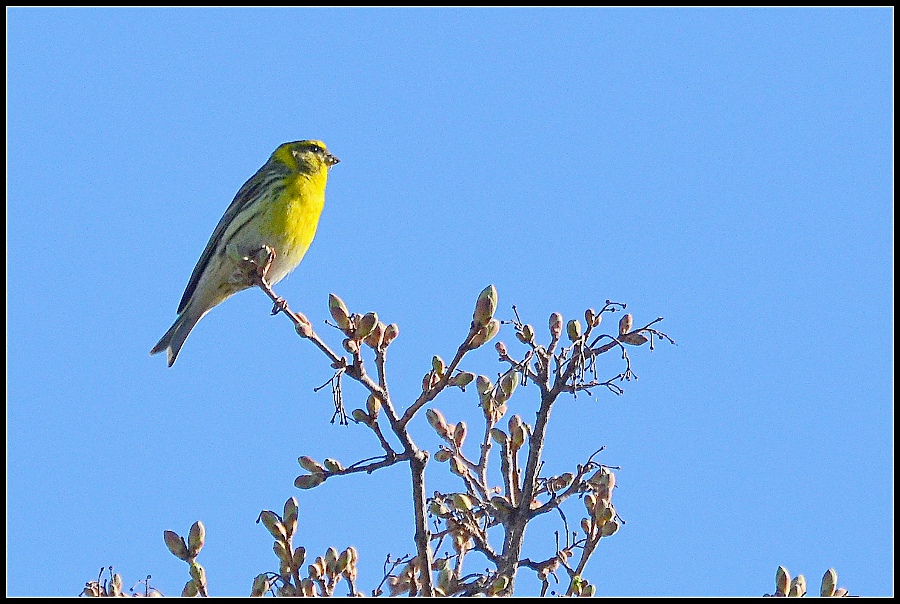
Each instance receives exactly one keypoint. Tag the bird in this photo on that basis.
(269, 224)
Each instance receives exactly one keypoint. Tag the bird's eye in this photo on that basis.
(316, 149)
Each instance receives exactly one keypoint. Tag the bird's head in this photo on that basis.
(305, 156)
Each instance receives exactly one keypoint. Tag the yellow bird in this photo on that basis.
(273, 217)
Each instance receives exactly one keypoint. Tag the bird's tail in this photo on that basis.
(175, 337)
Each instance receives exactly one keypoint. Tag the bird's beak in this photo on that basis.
(331, 160)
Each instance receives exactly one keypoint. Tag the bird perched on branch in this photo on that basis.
(269, 225)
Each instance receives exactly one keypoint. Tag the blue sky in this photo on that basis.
(729, 170)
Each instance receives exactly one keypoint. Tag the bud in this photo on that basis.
(290, 515)
(588, 590)
(499, 584)
(333, 465)
(516, 432)
(457, 467)
(526, 336)
(485, 307)
(190, 589)
(303, 326)
(198, 574)
(310, 464)
(442, 455)
(339, 312)
(590, 502)
(273, 524)
(176, 545)
(284, 555)
(260, 586)
(309, 481)
(625, 324)
(331, 558)
(351, 346)
(500, 347)
(782, 580)
(373, 340)
(361, 416)
(115, 585)
(798, 587)
(366, 326)
(437, 363)
(299, 557)
(499, 436)
(390, 334)
(437, 421)
(609, 529)
(438, 508)
(555, 324)
(635, 339)
(564, 480)
(462, 379)
(829, 583)
(196, 538)
(462, 502)
(373, 405)
(591, 318)
(343, 561)
(573, 330)
(508, 384)
(485, 334)
(483, 384)
(586, 526)
(459, 435)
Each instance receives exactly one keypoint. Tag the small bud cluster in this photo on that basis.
(361, 329)
(188, 551)
(796, 587)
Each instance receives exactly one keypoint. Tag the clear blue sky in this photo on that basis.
(729, 170)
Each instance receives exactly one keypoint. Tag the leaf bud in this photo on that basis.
(299, 557)
(635, 339)
(609, 529)
(485, 306)
(555, 323)
(625, 324)
(829, 583)
(499, 436)
(483, 384)
(437, 421)
(485, 334)
(333, 465)
(438, 365)
(373, 405)
(310, 464)
(442, 455)
(366, 325)
(361, 416)
(390, 334)
(196, 538)
(190, 589)
(303, 327)
(339, 312)
(526, 336)
(500, 347)
(373, 340)
(351, 346)
(462, 379)
(459, 434)
(309, 481)
(176, 545)
(798, 587)
(198, 573)
(782, 580)
(260, 586)
(573, 330)
(591, 318)
(508, 384)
